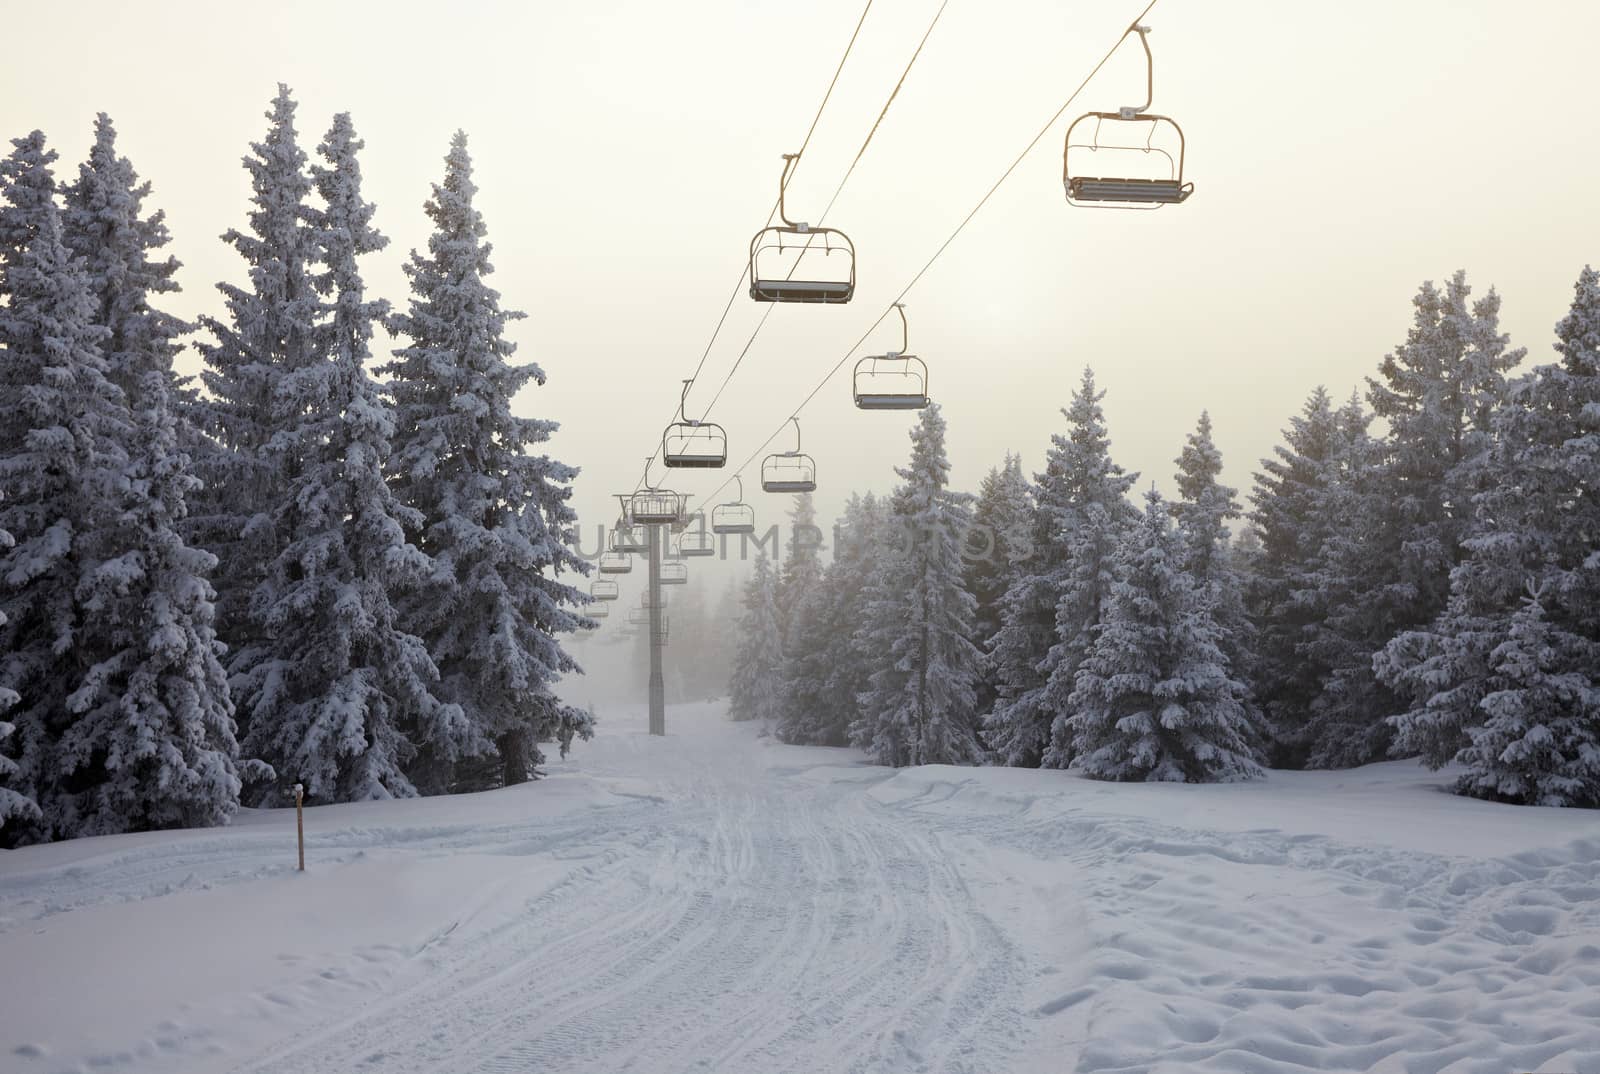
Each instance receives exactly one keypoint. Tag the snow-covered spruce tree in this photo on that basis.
(918, 620)
(755, 691)
(269, 331)
(1406, 511)
(1052, 605)
(823, 672)
(1202, 513)
(151, 743)
(63, 468)
(13, 804)
(1001, 523)
(1533, 528)
(1154, 700)
(799, 596)
(1098, 516)
(337, 693)
(496, 518)
(802, 558)
(1539, 743)
(1294, 516)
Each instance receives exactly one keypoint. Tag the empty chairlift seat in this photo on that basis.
(693, 445)
(674, 574)
(604, 589)
(629, 538)
(736, 516)
(789, 471)
(795, 262)
(599, 611)
(1127, 159)
(698, 542)
(892, 381)
(615, 563)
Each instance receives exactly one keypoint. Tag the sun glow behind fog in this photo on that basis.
(627, 151)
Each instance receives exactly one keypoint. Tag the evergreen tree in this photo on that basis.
(1053, 603)
(1001, 521)
(495, 518)
(13, 804)
(269, 331)
(755, 691)
(1533, 529)
(1294, 517)
(337, 694)
(802, 559)
(1154, 700)
(63, 467)
(1411, 506)
(1540, 741)
(1202, 513)
(918, 625)
(824, 673)
(153, 738)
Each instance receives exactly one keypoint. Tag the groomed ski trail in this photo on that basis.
(753, 920)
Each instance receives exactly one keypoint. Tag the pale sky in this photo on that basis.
(626, 151)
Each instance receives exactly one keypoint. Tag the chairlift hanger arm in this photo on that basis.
(1149, 72)
(790, 162)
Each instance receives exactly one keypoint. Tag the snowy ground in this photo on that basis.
(717, 902)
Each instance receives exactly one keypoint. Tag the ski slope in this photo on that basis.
(715, 901)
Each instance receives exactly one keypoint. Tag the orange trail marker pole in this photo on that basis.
(300, 822)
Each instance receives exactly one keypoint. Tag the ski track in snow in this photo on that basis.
(724, 903)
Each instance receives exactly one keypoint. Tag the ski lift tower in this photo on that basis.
(655, 509)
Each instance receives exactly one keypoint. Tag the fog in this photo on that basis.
(626, 152)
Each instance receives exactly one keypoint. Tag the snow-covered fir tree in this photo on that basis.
(1002, 520)
(1202, 513)
(13, 804)
(1294, 515)
(337, 693)
(268, 331)
(152, 740)
(799, 596)
(802, 558)
(1404, 513)
(63, 468)
(495, 517)
(1154, 699)
(918, 620)
(1539, 742)
(1094, 521)
(1533, 528)
(1053, 603)
(824, 673)
(755, 690)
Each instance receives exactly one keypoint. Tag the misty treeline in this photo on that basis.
(290, 573)
(1415, 573)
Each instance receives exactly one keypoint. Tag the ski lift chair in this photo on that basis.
(789, 471)
(599, 611)
(735, 516)
(693, 445)
(776, 254)
(615, 563)
(696, 542)
(675, 573)
(604, 589)
(651, 506)
(1146, 160)
(629, 538)
(893, 381)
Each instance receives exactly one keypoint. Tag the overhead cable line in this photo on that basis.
(1032, 143)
